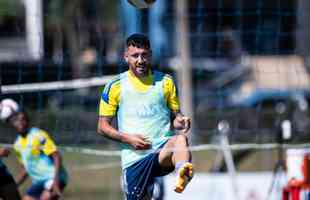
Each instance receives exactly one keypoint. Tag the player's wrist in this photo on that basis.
(178, 115)
(123, 137)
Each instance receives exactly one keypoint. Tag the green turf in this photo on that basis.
(94, 184)
(102, 181)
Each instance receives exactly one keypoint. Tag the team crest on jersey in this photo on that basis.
(145, 111)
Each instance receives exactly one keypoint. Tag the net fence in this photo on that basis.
(70, 115)
(247, 69)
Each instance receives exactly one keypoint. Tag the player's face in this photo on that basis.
(19, 122)
(139, 60)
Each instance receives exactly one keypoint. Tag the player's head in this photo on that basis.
(138, 54)
(19, 121)
(138, 40)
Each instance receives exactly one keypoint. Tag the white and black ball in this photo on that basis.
(7, 108)
(142, 4)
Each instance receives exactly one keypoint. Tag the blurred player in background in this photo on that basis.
(147, 109)
(8, 187)
(39, 158)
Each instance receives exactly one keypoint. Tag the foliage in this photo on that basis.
(10, 8)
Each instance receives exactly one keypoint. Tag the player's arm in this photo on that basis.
(179, 121)
(106, 129)
(49, 148)
(57, 164)
(4, 152)
(22, 176)
(108, 104)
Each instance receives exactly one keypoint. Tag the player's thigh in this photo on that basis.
(166, 153)
(9, 192)
(175, 144)
(46, 195)
(27, 197)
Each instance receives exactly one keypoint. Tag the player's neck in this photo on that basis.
(147, 79)
(24, 133)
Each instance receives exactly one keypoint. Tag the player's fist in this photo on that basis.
(4, 152)
(138, 141)
(182, 123)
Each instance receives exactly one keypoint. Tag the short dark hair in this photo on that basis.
(13, 116)
(138, 40)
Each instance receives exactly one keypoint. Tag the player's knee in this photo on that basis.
(46, 195)
(181, 140)
(28, 198)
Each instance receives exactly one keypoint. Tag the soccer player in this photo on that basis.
(147, 109)
(8, 187)
(40, 160)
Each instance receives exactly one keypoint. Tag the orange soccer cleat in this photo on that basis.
(184, 176)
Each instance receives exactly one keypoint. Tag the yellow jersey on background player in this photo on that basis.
(34, 151)
(40, 160)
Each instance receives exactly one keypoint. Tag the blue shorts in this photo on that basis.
(5, 177)
(36, 189)
(138, 179)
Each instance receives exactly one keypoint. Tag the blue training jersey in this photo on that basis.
(143, 113)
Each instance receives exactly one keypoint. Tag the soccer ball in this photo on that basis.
(141, 4)
(7, 108)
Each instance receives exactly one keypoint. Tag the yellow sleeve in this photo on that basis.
(46, 144)
(170, 93)
(110, 98)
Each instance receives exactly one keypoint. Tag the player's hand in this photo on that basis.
(4, 152)
(139, 142)
(182, 123)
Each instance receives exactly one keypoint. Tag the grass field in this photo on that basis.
(98, 177)
(91, 177)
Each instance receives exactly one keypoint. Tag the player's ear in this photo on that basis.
(126, 55)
